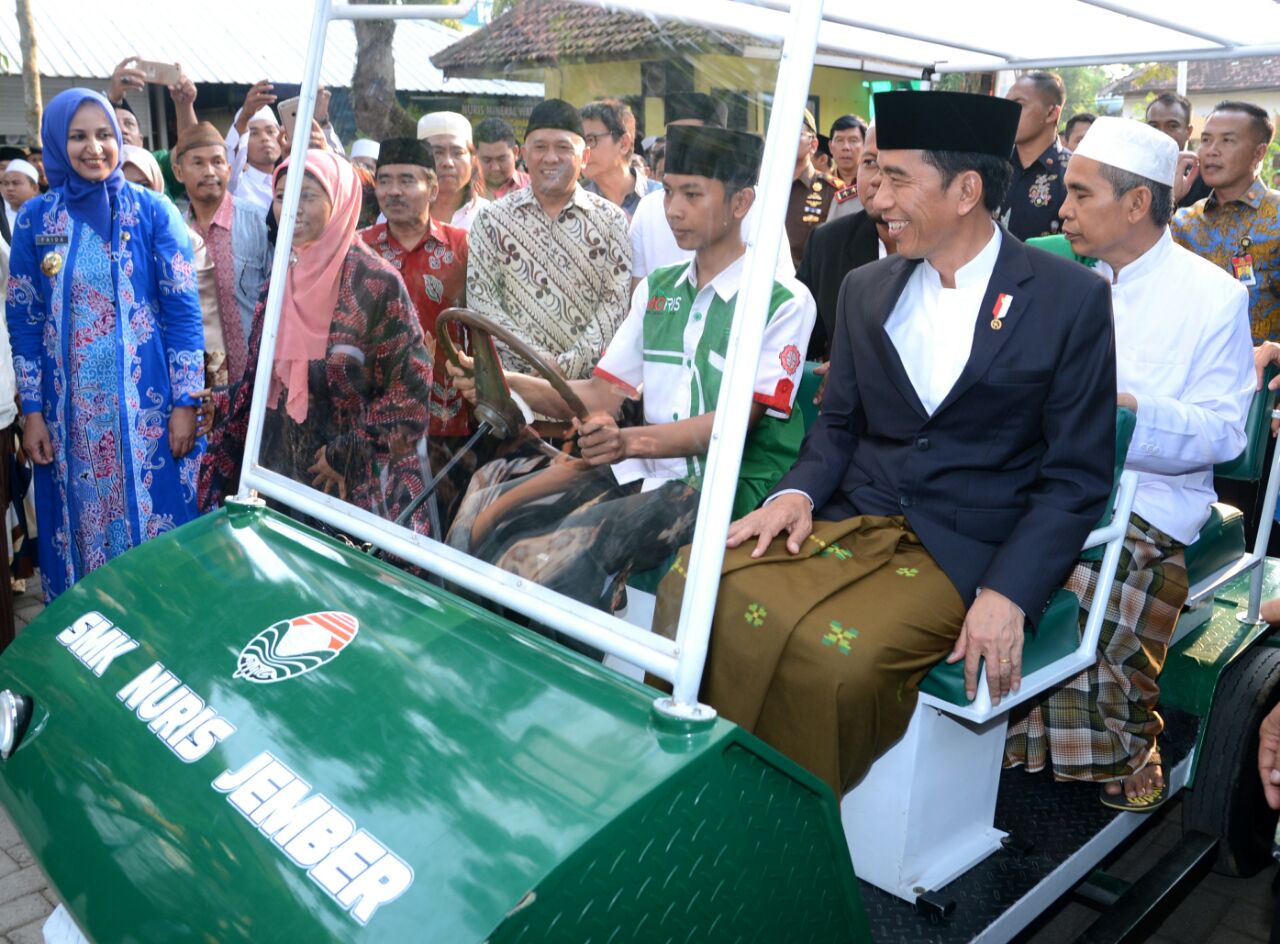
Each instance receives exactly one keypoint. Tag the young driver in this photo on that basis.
(581, 528)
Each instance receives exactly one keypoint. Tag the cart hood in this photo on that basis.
(245, 730)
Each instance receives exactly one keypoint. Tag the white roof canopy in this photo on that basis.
(231, 41)
(945, 36)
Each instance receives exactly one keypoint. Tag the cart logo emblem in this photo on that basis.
(295, 646)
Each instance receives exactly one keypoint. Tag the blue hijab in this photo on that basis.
(87, 200)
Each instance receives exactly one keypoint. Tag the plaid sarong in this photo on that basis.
(1102, 725)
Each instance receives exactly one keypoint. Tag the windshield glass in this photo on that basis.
(523, 178)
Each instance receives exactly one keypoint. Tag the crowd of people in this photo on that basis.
(983, 282)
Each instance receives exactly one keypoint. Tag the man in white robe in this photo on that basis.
(253, 148)
(1184, 365)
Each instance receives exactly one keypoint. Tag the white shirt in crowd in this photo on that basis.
(466, 214)
(253, 185)
(653, 245)
(1184, 350)
(932, 327)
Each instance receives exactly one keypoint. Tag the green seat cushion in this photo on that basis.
(1247, 467)
(648, 580)
(809, 383)
(1221, 542)
(1055, 637)
(1126, 422)
(1060, 246)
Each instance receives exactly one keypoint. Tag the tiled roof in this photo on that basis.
(543, 32)
(1219, 75)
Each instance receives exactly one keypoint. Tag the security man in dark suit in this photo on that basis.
(963, 453)
(839, 246)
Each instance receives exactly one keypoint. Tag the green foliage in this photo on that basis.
(1083, 83)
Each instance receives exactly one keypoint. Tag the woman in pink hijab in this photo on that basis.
(350, 377)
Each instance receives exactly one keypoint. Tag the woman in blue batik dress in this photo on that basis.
(104, 315)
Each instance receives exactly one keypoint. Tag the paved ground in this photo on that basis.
(1219, 911)
(25, 896)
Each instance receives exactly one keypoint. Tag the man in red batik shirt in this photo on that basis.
(432, 259)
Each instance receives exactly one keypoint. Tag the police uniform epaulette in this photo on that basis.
(846, 194)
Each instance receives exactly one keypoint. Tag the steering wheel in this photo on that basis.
(494, 405)
(497, 412)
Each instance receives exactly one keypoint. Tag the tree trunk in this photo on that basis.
(30, 71)
(373, 86)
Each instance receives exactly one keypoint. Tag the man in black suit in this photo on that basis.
(963, 453)
(838, 247)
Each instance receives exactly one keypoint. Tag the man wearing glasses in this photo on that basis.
(608, 170)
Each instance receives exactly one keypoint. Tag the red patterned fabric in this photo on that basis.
(435, 273)
(367, 401)
(218, 240)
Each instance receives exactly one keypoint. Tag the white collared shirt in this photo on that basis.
(1184, 350)
(654, 246)
(932, 327)
(248, 183)
(671, 347)
(466, 214)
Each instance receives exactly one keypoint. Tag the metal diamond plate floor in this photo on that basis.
(1049, 822)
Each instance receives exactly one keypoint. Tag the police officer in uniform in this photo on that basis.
(1039, 161)
(811, 192)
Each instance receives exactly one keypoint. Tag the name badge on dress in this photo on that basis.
(52, 239)
(1242, 269)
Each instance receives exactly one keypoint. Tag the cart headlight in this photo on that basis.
(15, 711)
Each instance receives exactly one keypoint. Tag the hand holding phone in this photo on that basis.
(288, 115)
(158, 73)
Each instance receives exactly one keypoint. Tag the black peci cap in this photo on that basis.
(406, 151)
(946, 121)
(694, 106)
(729, 156)
(554, 113)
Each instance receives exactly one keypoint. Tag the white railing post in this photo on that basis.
(795, 69)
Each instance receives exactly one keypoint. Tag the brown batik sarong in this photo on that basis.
(1102, 725)
(821, 654)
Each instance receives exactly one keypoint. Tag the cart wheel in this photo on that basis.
(1226, 800)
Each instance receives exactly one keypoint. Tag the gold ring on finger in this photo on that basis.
(1005, 661)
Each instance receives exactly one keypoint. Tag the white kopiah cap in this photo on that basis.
(264, 114)
(444, 122)
(363, 147)
(1133, 146)
(20, 166)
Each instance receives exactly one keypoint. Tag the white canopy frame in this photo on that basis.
(934, 37)
(901, 40)
(680, 662)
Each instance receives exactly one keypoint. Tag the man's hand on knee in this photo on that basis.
(992, 632)
(791, 512)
